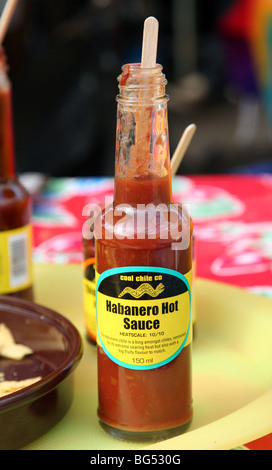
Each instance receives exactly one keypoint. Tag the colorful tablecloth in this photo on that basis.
(232, 218)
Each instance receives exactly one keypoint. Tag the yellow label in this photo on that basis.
(15, 259)
(89, 306)
(194, 313)
(89, 296)
(143, 315)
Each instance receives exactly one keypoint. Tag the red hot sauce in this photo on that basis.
(143, 283)
(15, 206)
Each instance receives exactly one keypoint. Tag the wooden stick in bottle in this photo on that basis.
(144, 116)
(150, 42)
(182, 147)
(6, 18)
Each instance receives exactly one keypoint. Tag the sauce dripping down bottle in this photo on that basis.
(15, 206)
(143, 275)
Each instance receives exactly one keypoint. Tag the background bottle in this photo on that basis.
(15, 206)
(88, 268)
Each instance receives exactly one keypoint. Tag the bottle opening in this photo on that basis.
(140, 85)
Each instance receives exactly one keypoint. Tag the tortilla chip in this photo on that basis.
(10, 386)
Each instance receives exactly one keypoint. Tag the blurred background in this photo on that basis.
(65, 56)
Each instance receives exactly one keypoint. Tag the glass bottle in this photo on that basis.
(88, 270)
(15, 206)
(194, 294)
(143, 275)
(88, 250)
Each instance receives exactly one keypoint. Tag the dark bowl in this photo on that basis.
(28, 413)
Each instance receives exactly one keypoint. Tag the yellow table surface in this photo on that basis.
(232, 371)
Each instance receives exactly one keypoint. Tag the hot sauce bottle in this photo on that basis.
(15, 206)
(193, 289)
(88, 249)
(88, 271)
(143, 275)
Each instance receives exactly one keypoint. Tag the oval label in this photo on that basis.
(143, 315)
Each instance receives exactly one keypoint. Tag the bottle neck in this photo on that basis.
(142, 160)
(7, 160)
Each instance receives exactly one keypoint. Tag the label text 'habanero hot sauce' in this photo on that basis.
(144, 315)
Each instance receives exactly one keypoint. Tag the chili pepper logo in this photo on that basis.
(144, 288)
